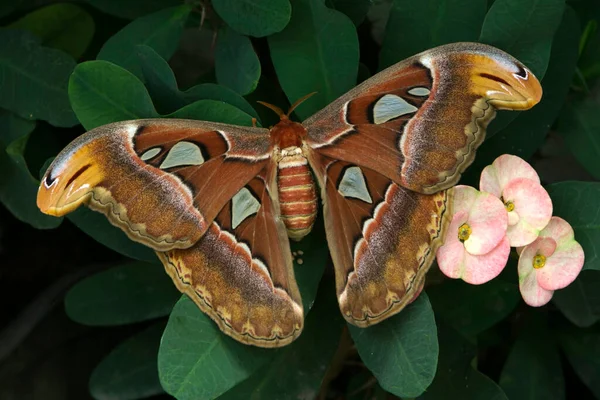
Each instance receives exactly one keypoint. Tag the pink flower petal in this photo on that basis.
(488, 220)
(450, 256)
(532, 293)
(534, 207)
(562, 267)
(503, 170)
(463, 198)
(483, 268)
(513, 218)
(559, 230)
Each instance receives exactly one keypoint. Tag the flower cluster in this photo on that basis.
(511, 209)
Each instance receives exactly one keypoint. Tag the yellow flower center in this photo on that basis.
(539, 261)
(510, 206)
(464, 231)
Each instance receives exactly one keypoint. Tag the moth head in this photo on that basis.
(504, 82)
(68, 182)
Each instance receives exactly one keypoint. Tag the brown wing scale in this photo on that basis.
(240, 272)
(155, 179)
(420, 121)
(382, 238)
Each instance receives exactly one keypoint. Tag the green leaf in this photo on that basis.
(102, 92)
(578, 203)
(160, 31)
(456, 378)
(193, 344)
(100, 229)
(215, 111)
(527, 133)
(34, 79)
(254, 18)
(166, 95)
(316, 52)
(582, 348)
(197, 361)
(471, 309)
(297, 370)
(356, 10)
(580, 301)
(129, 372)
(533, 369)
(129, 293)
(18, 187)
(579, 125)
(415, 26)
(524, 29)
(402, 351)
(236, 64)
(131, 9)
(63, 26)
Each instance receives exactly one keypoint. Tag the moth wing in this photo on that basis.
(240, 272)
(162, 181)
(420, 121)
(382, 238)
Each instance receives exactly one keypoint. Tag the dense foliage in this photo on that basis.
(69, 67)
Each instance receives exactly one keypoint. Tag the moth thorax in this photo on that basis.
(297, 195)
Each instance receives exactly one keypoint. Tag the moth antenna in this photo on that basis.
(277, 110)
(298, 102)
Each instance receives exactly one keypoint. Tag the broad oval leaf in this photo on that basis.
(580, 301)
(35, 79)
(402, 351)
(129, 372)
(125, 294)
(161, 31)
(18, 187)
(578, 203)
(316, 52)
(579, 125)
(236, 64)
(415, 26)
(529, 128)
(254, 18)
(166, 96)
(524, 29)
(66, 27)
(471, 309)
(102, 92)
(533, 369)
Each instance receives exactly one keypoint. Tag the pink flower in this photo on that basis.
(476, 248)
(551, 262)
(516, 183)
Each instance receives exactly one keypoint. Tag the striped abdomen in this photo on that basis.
(297, 195)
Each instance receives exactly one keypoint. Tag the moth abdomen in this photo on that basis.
(297, 194)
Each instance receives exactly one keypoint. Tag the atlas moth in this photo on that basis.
(218, 202)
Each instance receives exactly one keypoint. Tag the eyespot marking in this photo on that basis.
(183, 154)
(151, 153)
(419, 91)
(390, 107)
(243, 205)
(353, 185)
